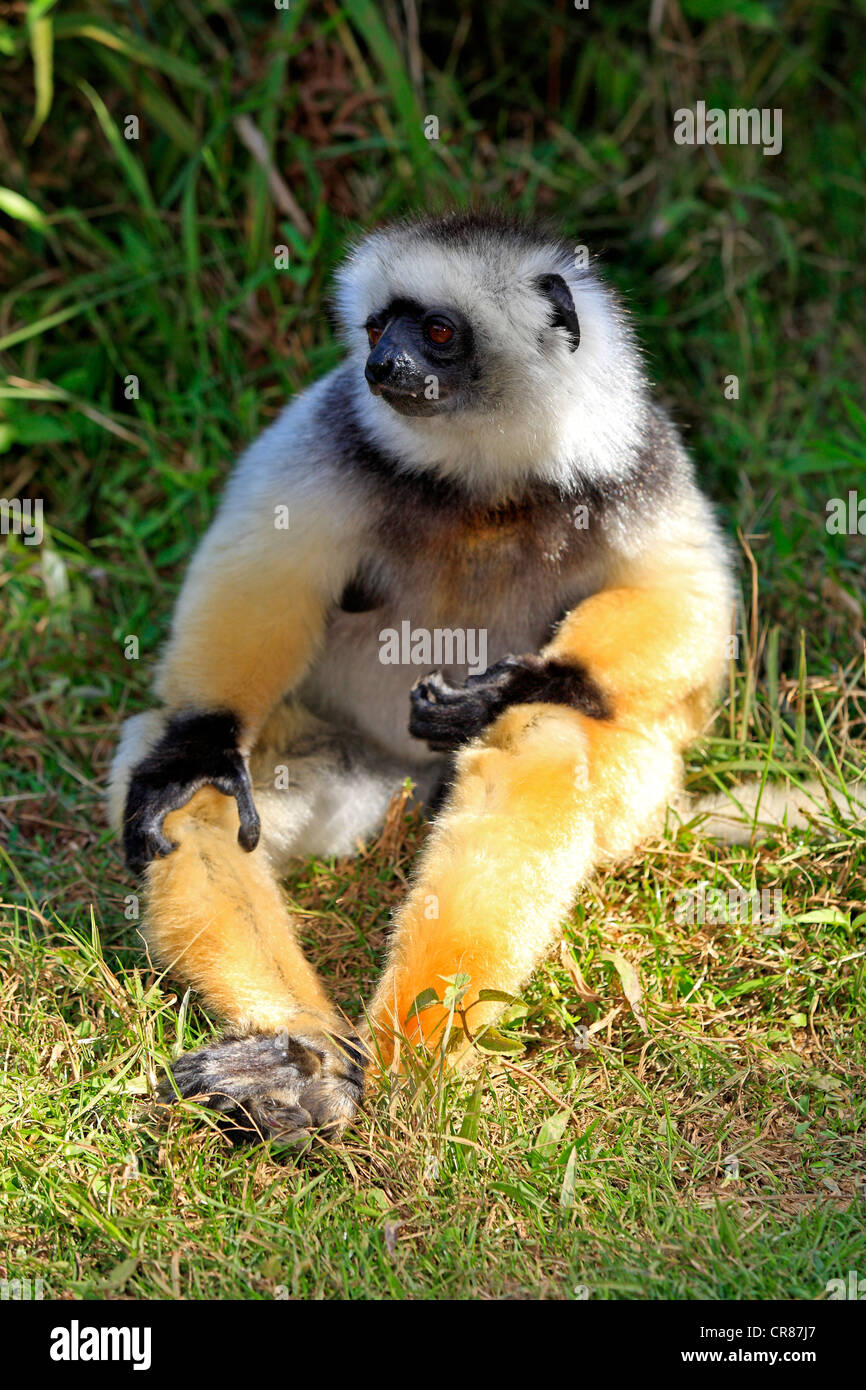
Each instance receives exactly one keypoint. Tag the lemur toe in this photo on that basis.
(273, 1086)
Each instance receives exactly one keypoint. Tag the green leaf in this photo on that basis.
(42, 48)
(514, 1013)
(21, 209)
(131, 167)
(497, 996)
(491, 1040)
(375, 1197)
(551, 1133)
(121, 1274)
(470, 1125)
(84, 26)
(155, 104)
(520, 1192)
(425, 1000)
(631, 986)
(40, 429)
(566, 1192)
(828, 916)
(456, 987)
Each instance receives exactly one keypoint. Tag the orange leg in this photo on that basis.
(546, 795)
(216, 918)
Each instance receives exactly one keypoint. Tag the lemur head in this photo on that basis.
(481, 348)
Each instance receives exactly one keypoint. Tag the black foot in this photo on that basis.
(274, 1086)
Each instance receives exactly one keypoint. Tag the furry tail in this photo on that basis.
(737, 815)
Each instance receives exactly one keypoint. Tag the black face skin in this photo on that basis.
(409, 345)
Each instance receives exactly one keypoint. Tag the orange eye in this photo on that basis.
(439, 332)
(373, 334)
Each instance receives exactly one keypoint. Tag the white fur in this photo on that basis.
(738, 816)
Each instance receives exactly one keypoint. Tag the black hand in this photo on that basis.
(446, 715)
(196, 750)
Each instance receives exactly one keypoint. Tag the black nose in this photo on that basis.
(378, 369)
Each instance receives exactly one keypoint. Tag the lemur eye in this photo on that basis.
(373, 334)
(439, 332)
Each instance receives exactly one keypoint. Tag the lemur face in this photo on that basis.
(488, 349)
(461, 317)
(422, 358)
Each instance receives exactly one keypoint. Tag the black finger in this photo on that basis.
(144, 842)
(159, 846)
(250, 827)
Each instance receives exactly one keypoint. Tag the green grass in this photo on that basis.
(557, 1168)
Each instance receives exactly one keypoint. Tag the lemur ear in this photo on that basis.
(558, 295)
